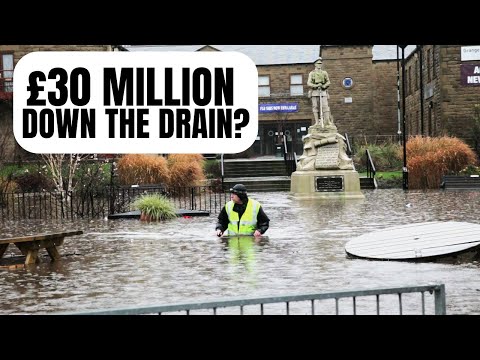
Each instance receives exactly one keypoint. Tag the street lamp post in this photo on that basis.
(399, 116)
(405, 170)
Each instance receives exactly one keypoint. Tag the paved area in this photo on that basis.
(263, 178)
(260, 158)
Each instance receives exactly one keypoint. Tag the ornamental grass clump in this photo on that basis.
(431, 158)
(154, 207)
(142, 169)
(185, 170)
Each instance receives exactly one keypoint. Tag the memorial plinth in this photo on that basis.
(326, 184)
(325, 171)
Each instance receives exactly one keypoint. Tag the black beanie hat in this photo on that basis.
(241, 191)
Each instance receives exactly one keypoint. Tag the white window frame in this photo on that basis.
(263, 85)
(296, 85)
(6, 75)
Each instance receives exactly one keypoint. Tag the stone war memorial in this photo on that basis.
(324, 171)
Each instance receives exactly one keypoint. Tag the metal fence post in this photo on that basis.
(440, 304)
(192, 189)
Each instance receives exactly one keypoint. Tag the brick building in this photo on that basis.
(363, 93)
(283, 72)
(364, 96)
(442, 87)
(9, 56)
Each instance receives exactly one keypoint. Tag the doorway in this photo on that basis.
(271, 136)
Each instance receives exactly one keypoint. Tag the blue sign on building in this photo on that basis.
(285, 107)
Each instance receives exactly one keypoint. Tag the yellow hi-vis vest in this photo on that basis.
(248, 224)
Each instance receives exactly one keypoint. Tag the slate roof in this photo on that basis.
(275, 54)
(260, 54)
(389, 52)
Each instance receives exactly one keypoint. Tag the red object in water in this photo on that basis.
(187, 217)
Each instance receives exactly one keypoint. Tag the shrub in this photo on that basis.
(93, 176)
(33, 182)
(155, 207)
(470, 170)
(428, 159)
(216, 185)
(185, 169)
(16, 169)
(386, 157)
(142, 169)
(7, 185)
(212, 169)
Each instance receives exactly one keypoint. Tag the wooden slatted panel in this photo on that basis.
(416, 241)
(40, 237)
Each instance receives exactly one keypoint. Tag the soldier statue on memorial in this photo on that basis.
(324, 131)
(319, 82)
(324, 170)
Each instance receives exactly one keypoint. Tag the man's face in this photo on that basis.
(235, 198)
(318, 65)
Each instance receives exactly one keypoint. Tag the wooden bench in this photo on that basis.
(460, 182)
(29, 245)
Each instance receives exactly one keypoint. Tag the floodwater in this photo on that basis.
(128, 263)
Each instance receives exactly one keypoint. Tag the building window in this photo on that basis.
(264, 85)
(6, 72)
(296, 84)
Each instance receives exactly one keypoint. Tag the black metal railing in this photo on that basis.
(432, 301)
(290, 162)
(105, 201)
(370, 166)
(349, 146)
(290, 158)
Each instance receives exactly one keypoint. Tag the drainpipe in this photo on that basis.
(405, 169)
(399, 132)
(221, 164)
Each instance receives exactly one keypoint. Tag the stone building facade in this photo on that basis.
(440, 100)
(9, 149)
(363, 98)
(441, 92)
(293, 123)
(363, 93)
(368, 108)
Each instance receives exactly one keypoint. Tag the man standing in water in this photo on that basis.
(241, 215)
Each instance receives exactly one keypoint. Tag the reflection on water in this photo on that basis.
(242, 254)
(127, 263)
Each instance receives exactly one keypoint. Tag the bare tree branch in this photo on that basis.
(60, 164)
